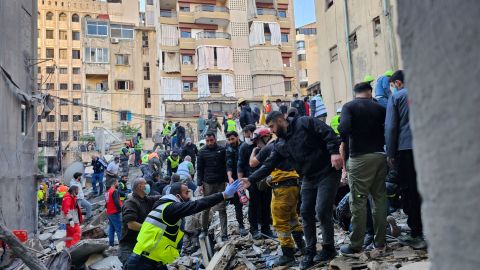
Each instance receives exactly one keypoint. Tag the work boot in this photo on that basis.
(256, 235)
(287, 258)
(243, 231)
(268, 232)
(307, 261)
(327, 253)
(299, 242)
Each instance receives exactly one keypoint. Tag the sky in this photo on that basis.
(304, 12)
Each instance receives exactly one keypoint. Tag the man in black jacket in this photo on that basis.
(313, 149)
(246, 115)
(190, 149)
(211, 178)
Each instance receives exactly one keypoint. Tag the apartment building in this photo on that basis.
(212, 52)
(307, 57)
(355, 38)
(99, 64)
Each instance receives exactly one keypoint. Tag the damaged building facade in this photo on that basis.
(18, 114)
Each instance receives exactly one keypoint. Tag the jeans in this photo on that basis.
(238, 210)
(87, 206)
(318, 197)
(115, 221)
(97, 177)
(124, 251)
(139, 262)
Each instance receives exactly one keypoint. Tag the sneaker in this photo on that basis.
(307, 262)
(326, 254)
(243, 231)
(256, 235)
(394, 229)
(367, 240)
(414, 242)
(348, 250)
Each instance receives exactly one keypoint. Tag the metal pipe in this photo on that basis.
(349, 51)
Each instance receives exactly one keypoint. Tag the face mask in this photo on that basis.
(147, 189)
(393, 89)
(248, 141)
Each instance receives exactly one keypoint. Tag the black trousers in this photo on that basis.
(259, 208)
(411, 200)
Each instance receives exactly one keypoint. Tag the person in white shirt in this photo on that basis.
(112, 169)
(76, 181)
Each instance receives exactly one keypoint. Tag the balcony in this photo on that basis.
(168, 4)
(213, 38)
(209, 14)
(266, 14)
(168, 17)
(289, 72)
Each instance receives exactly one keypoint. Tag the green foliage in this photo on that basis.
(87, 138)
(128, 131)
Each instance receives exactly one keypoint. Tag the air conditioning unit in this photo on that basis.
(114, 40)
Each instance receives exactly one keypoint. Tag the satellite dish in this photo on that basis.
(75, 167)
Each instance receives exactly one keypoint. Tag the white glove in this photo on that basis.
(71, 223)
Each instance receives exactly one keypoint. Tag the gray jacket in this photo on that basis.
(398, 135)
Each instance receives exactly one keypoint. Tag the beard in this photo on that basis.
(281, 133)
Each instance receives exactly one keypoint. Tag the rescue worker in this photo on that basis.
(317, 106)
(283, 181)
(122, 187)
(41, 198)
(382, 88)
(73, 216)
(231, 125)
(138, 146)
(61, 190)
(368, 79)
(113, 206)
(160, 235)
(172, 163)
(124, 157)
(246, 114)
(336, 121)
(167, 128)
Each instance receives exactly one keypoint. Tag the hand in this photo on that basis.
(344, 180)
(230, 180)
(246, 183)
(337, 161)
(391, 162)
(231, 189)
(71, 223)
(200, 190)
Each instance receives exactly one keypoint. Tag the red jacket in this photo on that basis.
(113, 202)
(71, 209)
(307, 108)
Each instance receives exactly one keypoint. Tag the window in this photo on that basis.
(63, 118)
(215, 83)
(75, 35)
(125, 116)
(333, 54)
(284, 38)
(39, 70)
(50, 53)
(102, 86)
(62, 53)
(121, 31)
(75, 18)
(49, 86)
(185, 9)
(288, 85)
(23, 115)
(122, 59)
(377, 30)
(76, 86)
(75, 54)
(145, 39)
(96, 115)
(352, 40)
(50, 70)
(307, 31)
(77, 118)
(187, 59)
(286, 62)
(282, 14)
(302, 57)
(123, 85)
(76, 135)
(96, 55)
(301, 45)
(49, 16)
(62, 35)
(63, 86)
(97, 28)
(146, 71)
(63, 102)
(63, 70)
(62, 17)
(150, 2)
(76, 101)
(148, 128)
(147, 97)
(63, 136)
(51, 118)
(49, 34)
(186, 33)
(328, 4)
(50, 136)
(76, 70)
(189, 86)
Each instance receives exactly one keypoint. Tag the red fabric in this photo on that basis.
(69, 202)
(73, 235)
(268, 108)
(111, 208)
(307, 108)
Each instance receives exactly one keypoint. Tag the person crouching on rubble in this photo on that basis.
(73, 216)
(160, 235)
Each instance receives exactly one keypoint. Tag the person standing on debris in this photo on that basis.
(157, 140)
(73, 216)
(313, 148)
(317, 107)
(186, 172)
(172, 163)
(98, 168)
(336, 121)
(286, 192)
(180, 133)
(246, 114)
(298, 104)
(211, 178)
(114, 209)
(190, 149)
(113, 168)
(398, 138)
(76, 181)
(201, 125)
(138, 145)
(213, 125)
(362, 128)
(231, 153)
(124, 157)
(134, 211)
(161, 233)
(122, 187)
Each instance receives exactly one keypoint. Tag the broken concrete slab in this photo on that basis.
(45, 236)
(109, 263)
(96, 232)
(83, 249)
(93, 259)
(221, 259)
(417, 266)
(34, 244)
(59, 234)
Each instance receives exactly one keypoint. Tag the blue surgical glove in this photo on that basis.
(231, 189)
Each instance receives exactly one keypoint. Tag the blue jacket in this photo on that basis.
(398, 135)
(382, 90)
(317, 107)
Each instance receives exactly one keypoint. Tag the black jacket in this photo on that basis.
(308, 145)
(232, 158)
(211, 165)
(98, 166)
(190, 150)
(135, 209)
(246, 116)
(243, 163)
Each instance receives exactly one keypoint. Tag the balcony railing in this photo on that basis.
(211, 8)
(168, 14)
(213, 35)
(266, 11)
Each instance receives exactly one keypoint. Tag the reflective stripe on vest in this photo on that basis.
(145, 159)
(157, 239)
(174, 163)
(231, 125)
(166, 130)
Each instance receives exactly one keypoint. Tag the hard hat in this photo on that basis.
(339, 110)
(368, 79)
(230, 116)
(388, 73)
(261, 132)
(240, 101)
(152, 155)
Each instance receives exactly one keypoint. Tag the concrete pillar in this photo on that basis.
(439, 42)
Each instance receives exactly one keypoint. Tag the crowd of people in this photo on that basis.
(353, 172)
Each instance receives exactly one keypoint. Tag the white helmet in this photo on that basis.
(339, 110)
